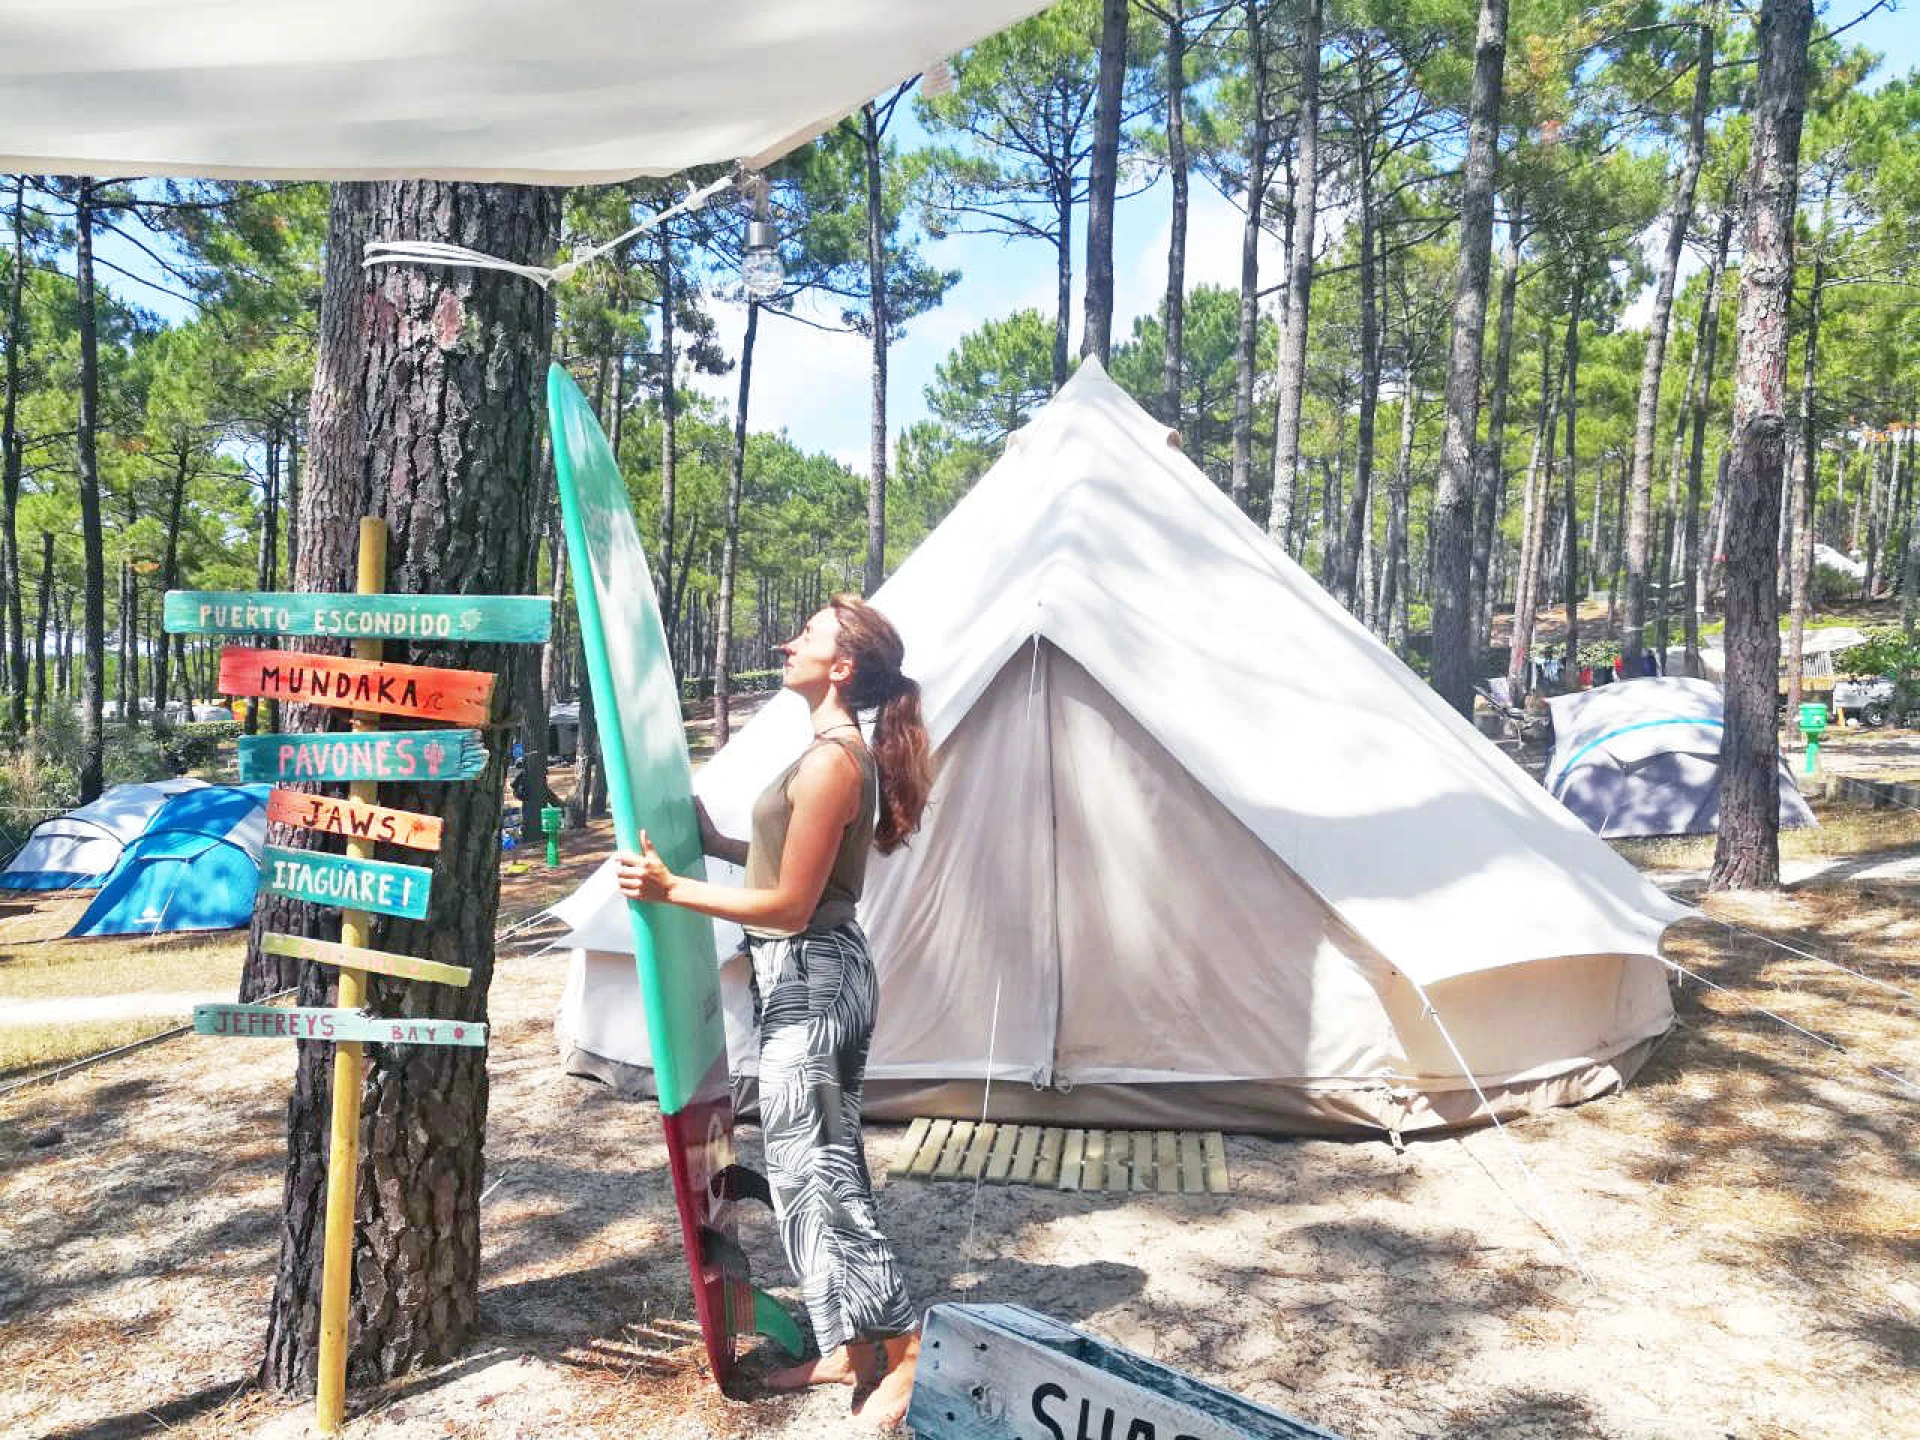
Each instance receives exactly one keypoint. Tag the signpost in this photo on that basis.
(354, 820)
(356, 882)
(365, 686)
(374, 885)
(408, 756)
(497, 618)
(312, 1022)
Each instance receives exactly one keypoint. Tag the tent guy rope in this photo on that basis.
(437, 252)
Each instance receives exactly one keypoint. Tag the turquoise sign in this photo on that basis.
(350, 884)
(509, 619)
(308, 1022)
(403, 756)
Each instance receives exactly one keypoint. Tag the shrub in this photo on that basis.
(1890, 652)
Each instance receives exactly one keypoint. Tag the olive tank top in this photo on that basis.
(773, 812)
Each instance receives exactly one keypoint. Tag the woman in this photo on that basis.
(814, 988)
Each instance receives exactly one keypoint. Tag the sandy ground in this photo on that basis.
(1749, 1211)
(66, 1008)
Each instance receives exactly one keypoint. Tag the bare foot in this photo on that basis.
(886, 1406)
(834, 1368)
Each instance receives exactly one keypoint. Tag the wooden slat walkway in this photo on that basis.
(1165, 1162)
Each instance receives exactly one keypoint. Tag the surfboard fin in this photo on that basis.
(750, 1310)
(739, 1182)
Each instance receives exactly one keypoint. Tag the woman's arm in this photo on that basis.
(824, 793)
(713, 843)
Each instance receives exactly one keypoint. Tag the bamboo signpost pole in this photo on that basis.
(343, 1153)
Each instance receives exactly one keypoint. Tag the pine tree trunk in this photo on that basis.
(40, 630)
(1646, 413)
(1062, 277)
(11, 466)
(1806, 481)
(1490, 482)
(1747, 851)
(1247, 340)
(1395, 599)
(1173, 352)
(92, 737)
(881, 338)
(1291, 381)
(1096, 331)
(170, 562)
(458, 355)
(1707, 347)
(730, 543)
(669, 423)
(1451, 524)
(1570, 397)
(1533, 525)
(1345, 587)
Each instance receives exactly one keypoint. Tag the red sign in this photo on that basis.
(458, 696)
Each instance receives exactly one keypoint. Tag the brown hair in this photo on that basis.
(900, 746)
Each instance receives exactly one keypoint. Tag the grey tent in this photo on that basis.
(1643, 758)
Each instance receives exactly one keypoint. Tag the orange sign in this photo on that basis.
(354, 820)
(458, 696)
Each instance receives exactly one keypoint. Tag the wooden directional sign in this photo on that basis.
(312, 1022)
(325, 952)
(409, 756)
(354, 820)
(348, 883)
(512, 619)
(1003, 1372)
(375, 686)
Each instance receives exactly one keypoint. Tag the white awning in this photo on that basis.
(533, 91)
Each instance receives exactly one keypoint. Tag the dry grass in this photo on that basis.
(127, 966)
(1846, 828)
(25, 1048)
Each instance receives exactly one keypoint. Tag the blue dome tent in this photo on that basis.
(197, 867)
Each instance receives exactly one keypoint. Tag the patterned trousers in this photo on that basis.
(815, 995)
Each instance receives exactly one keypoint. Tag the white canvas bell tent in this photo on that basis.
(1201, 850)
(536, 92)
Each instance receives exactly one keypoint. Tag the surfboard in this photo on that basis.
(650, 787)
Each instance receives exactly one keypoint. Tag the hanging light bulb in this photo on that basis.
(760, 267)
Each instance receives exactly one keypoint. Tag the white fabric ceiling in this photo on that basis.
(533, 91)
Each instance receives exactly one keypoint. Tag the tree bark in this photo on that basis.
(1806, 477)
(40, 630)
(1394, 599)
(170, 563)
(730, 542)
(1490, 470)
(1570, 399)
(876, 570)
(1528, 584)
(1707, 347)
(1451, 522)
(669, 439)
(425, 412)
(1291, 386)
(1096, 337)
(1247, 340)
(1346, 588)
(1646, 413)
(1747, 851)
(92, 736)
(1174, 324)
(11, 466)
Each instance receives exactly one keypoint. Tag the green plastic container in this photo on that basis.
(552, 817)
(1813, 718)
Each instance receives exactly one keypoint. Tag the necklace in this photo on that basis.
(843, 725)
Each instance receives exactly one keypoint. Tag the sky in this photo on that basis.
(815, 386)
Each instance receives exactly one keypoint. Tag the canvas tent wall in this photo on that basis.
(197, 867)
(80, 848)
(1643, 758)
(537, 93)
(1201, 849)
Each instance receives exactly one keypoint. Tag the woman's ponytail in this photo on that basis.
(900, 745)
